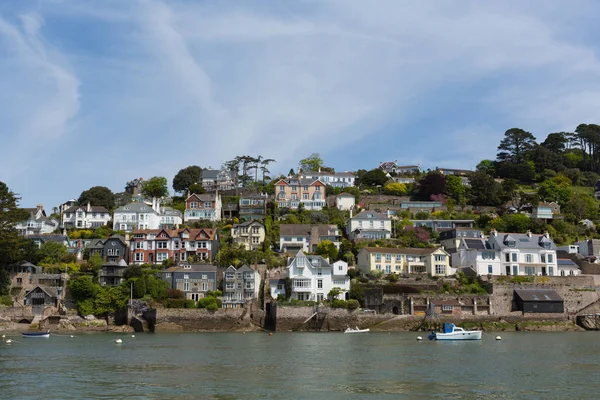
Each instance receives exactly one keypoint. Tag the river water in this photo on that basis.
(523, 365)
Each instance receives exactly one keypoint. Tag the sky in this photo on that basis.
(99, 92)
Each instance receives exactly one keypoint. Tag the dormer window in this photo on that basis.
(144, 208)
(511, 243)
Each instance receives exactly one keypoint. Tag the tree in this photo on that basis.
(196, 188)
(556, 142)
(327, 249)
(155, 187)
(11, 244)
(432, 183)
(516, 146)
(581, 206)
(455, 188)
(109, 300)
(483, 190)
(264, 163)
(187, 177)
(52, 252)
(97, 196)
(394, 189)
(375, 177)
(311, 163)
(487, 167)
(83, 288)
(550, 190)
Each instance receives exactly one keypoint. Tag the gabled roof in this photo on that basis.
(369, 215)
(93, 209)
(245, 268)
(193, 268)
(248, 223)
(300, 182)
(202, 197)
(522, 240)
(231, 268)
(136, 206)
(49, 291)
(477, 244)
(346, 194)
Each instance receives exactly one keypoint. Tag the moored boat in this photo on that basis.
(451, 332)
(36, 334)
(356, 330)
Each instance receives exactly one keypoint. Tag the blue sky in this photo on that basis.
(101, 92)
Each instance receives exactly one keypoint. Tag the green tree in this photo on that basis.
(95, 262)
(395, 189)
(455, 188)
(516, 146)
(187, 177)
(52, 252)
(556, 142)
(97, 196)
(487, 167)
(196, 188)
(327, 249)
(109, 300)
(550, 190)
(483, 190)
(374, 177)
(311, 163)
(155, 187)
(581, 206)
(83, 288)
(13, 247)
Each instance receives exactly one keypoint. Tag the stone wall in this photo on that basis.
(576, 297)
(12, 313)
(338, 319)
(589, 268)
(201, 320)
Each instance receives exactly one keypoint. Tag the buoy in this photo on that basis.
(419, 338)
(270, 333)
(8, 341)
(3, 336)
(132, 335)
(118, 341)
(72, 336)
(498, 338)
(244, 333)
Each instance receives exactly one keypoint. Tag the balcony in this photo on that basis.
(112, 272)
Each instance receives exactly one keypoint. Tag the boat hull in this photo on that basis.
(357, 331)
(465, 335)
(35, 334)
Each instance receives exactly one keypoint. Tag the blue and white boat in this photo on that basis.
(451, 332)
(36, 334)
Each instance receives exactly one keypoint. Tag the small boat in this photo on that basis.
(356, 330)
(451, 332)
(36, 334)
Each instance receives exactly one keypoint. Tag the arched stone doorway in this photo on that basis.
(395, 310)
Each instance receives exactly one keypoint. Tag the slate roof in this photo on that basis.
(323, 173)
(210, 174)
(248, 223)
(543, 295)
(202, 197)
(49, 237)
(245, 268)
(370, 215)
(477, 244)
(93, 209)
(304, 229)
(522, 241)
(49, 291)
(194, 268)
(136, 207)
(566, 263)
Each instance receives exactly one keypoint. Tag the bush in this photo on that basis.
(175, 294)
(205, 302)
(175, 303)
(212, 307)
(352, 304)
(338, 303)
(6, 301)
(392, 278)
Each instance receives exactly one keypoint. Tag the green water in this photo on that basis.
(300, 366)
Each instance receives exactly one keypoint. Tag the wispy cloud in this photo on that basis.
(147, 87)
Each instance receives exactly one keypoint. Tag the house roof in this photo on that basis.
(345, 194)
(566, 263)
(202, 197)
(324, 173)
(522, 240)
(245, 268)
(193, 268)
(476, 244)
(136, 206)
(210, 174)
(49, 237)
(248, 223)
(542, 295)
(405, 250)
(48, 290)
(304, 229)
(300, 182)
(193, 233)
(368, 215)
(94, 209)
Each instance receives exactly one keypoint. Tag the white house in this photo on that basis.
(313, 277)
(369, 225)
(37, 223)
(335, 179)
(138, 215)
(509, 254)
(345, 201)
(85, 217)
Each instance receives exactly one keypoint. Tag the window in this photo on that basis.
(319, 283)
(305, 187)
(440, 269)
(397, 268)
(490, 269)
(388, 257)
(529, 271)
(388, 269)
(377, 257)
(447, 307)
(162, 256)
(514, 257)
(398, 257)
(207, 204)
(515, 270)
(528, 258)
(186, 286)
(550, 258)
(282, 188)
(193, 204)
(319, 272)
(543, 258)
(305, 196)
(293, 188)
(204, 276)
(204, 286)
(280, 286)
(378, 267)
(440, 257)
(551, 271)
(318, 188)
(229, 285)
(139, 245)
(340, 267)
(161, 245)
(507, 257)
(139, 256)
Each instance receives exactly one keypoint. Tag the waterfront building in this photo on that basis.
(432, 261)
(313, 277)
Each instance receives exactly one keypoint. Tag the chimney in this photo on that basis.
(314, 237)
(89, 207)
(546, 235)
(528, 233)
(350, 213)
(40, 207)
(494, 232)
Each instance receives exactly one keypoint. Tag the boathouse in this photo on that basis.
(538, 301)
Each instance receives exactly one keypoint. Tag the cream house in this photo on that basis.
(291, 192)
(251, 234)
(433, 261)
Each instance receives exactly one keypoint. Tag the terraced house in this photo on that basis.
(250, 234)
(85, 217)
(240, 286)
(291, 192)
(192, 279)
(158, 245)
(433, 261)
(203, 206)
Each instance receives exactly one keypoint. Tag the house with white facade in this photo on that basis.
(313, 277)
(369, 225)
(345, 201)
(335, 179)
(139, 215)
(509, 254)
(389, 260)
(85, 217)
(37, 223)
(218, 179)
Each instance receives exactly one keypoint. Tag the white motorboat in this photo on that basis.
(451, 332)
(356, 330)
